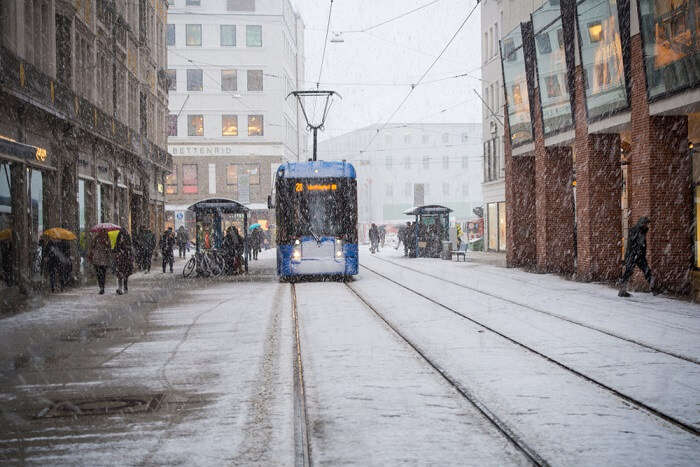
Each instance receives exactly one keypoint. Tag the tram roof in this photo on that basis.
(427, 209)
(223, 205)
(316, 169)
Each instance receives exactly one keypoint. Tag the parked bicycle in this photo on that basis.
(205, 263)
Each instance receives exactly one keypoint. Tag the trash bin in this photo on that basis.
(446, 248)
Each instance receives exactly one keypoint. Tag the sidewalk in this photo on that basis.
(491, 258)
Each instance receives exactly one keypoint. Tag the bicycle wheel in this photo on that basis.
(189, 268)
(215, 266)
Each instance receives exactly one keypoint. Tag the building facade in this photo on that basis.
(602, 102)
(497, 16)
(84, 99)
(231, 65)
(411, 164)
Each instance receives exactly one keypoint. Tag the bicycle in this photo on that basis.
(207, 263)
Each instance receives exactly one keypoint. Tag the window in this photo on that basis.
(229, 80)
(445, 162)
(389, 189)
(407, 162)
(232, 175)
(253, 36)
(195, 81)
(465, 136)
(227, 35)
(552, 83)
(172, 125)
(170, 35)
(387, 140)
(194, 3)
(517, 96)
(240, 5)
(194, 35)
(189, 178)
(595, 32)
(253, 171)
(543, 45)
(195, 125)
(171, 182)
(255, 125)
(445, 189)
(172, 80)
(229, 125)
(426, 162)
(255, 80)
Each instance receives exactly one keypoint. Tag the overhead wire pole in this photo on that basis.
(325, 44)
(414, 86)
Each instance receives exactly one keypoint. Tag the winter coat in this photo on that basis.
(167, 243)
(637, 241)
(148, 241)
(100, 250)
(182, 236)
(124, 255)
(373, 234)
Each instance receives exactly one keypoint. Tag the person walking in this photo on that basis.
(100, 256)
(636, 256)
(373, 238)
(167, 244)
(124, 259)
(52, 262)
(182, 241)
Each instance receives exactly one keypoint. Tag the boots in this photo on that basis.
(623, 291)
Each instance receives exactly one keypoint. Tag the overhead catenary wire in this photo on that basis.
(325, 45)
(402, 15)
(413, 87)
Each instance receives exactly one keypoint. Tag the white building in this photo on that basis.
(231, 64)
(498, 18)
(412, 164)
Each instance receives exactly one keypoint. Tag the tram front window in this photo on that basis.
(321, 208)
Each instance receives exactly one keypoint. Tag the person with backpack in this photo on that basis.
(636, 256)
(167, 244)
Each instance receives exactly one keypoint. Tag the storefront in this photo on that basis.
(496, 226)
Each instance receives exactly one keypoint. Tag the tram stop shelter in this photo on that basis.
(433, 223)
(212, 216)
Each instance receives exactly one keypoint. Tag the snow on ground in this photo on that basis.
(370, 401)
(566, 419)
(667, 383)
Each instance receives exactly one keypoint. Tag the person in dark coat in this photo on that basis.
(256, 242)
(373, 238)
(636, 256)
(51, 257)
(6, 261)
(167, 243)
(124, 260)
(229, 248)
(182, 241)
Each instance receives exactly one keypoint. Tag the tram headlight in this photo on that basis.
(296, 251)
(339, 248)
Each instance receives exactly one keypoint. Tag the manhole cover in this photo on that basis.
(104, 406)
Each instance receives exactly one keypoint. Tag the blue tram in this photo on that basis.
(316, 209)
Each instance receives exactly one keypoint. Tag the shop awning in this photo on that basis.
(20, 151)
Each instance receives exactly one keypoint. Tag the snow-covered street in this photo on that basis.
(416, 361)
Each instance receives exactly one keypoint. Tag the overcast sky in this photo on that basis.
(396, 53)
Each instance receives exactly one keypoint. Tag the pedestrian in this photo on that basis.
(52, 262)
(636, 256)
(382, 235)
(148, 244)
(373, 238)
(124, 260)
(167, 244)
(228, 246)
(255, 242)
(182, 240)
(6, 261)
(100, 256)
(407, 238)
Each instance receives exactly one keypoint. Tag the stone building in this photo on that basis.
(231, 65)
(602, 103)
(83, 94)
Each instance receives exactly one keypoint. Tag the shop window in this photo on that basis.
(492, 209)
(227, 35)
(229, 125)
(193, 35)
(195, 125)
(172, 125)
(601, 57)
(189, 178)
(670, 33)
(171, 182)
(255, 80)
(502, 226)
(253, 35)
(255, 125)
(229, 80)
(195, 80)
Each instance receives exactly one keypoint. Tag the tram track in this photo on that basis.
(541, 311)
(302, 454)
(491, 417)
(625, 397)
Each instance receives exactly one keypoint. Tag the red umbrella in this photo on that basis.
(106, 226)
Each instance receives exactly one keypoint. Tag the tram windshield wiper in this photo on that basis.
(316, 237)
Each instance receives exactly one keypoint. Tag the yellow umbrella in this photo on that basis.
(113, 234)
(5, 234)
(58, 233)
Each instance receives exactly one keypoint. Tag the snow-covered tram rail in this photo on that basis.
(316, 219)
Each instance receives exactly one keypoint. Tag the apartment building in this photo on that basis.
(231, 65)
(83, 94)
(602, 121)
